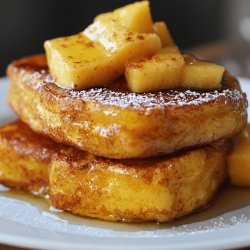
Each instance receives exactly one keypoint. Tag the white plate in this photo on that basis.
(28, 222)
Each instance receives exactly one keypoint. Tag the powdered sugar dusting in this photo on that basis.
(119, 95)
(156, 100)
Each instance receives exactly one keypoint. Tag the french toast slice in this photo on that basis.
(116, 123)
(137, 190)
(24, 158)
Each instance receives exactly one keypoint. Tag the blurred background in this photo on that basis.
(217, 30)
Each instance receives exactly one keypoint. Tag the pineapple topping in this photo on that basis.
(239, 160)
(127, 42)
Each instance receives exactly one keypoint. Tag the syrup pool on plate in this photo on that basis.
(228, 199)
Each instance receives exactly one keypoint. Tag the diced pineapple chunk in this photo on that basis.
(201, 75)
(161, 71)
(135, 17)
(161, 29)
(76, 62)
(98, 55)
(239, 160)
(117, 39)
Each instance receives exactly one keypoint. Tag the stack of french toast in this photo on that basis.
(117, 124)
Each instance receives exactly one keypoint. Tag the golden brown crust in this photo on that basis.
(26, 143)
(157, 189)
(160, 188)
(116, 123)
(24, 158)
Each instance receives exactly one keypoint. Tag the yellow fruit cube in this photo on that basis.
(76, 62)
(239, 160)
(161, 29)
(201, 75)
(116, 38)
(98, 55)
(161, 71)
(135, 17)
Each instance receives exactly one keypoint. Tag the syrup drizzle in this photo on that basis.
(228, 199)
